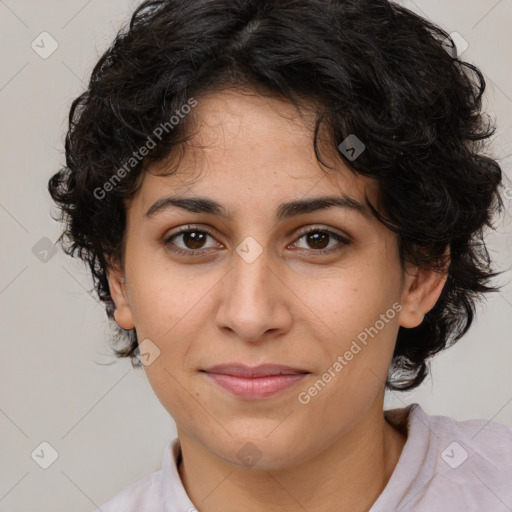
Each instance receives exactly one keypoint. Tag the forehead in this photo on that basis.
(248, 149)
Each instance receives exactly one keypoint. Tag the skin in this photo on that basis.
(290, 306)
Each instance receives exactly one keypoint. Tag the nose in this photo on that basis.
(254, 301)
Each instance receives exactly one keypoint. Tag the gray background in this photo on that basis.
(60, 383)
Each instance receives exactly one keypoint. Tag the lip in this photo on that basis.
(262, 370)
(257, 382)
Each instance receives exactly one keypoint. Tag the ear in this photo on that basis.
(118, 292)
(421, 291)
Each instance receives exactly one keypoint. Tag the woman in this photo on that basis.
(282, 204)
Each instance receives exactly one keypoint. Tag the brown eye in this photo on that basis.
(194, 239)
(189, 240)
(318, 241)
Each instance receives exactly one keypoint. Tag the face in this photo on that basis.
(320, 291)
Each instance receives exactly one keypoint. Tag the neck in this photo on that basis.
(349, 475)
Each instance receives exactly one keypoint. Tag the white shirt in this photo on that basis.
(445, 465)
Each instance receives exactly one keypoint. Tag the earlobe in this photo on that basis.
(422, 289)
(118, 292)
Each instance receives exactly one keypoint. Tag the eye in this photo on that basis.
(319, 239)
(192, 238)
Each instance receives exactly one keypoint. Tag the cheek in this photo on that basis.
(356, 311)
(175, 393)
(164, 300)
(347, 300)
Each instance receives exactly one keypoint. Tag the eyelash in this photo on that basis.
(199, 252)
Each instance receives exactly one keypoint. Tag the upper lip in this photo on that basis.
(239, 370)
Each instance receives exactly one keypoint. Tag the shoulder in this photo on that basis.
(448, 464)
(470, 461)
(156, 492)
(142, 494)
(477, 438)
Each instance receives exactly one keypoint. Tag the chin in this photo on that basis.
(261, 451)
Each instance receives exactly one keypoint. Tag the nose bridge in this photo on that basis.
(250, 302)
(251, 273)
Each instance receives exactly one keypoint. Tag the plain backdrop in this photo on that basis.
(102, 421)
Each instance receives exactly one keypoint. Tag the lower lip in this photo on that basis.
(256, 387)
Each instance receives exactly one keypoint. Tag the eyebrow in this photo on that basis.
(284, 211)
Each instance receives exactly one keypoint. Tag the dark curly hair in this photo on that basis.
(372, 68)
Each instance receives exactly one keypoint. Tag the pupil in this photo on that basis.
(314, 238)
(194, 239)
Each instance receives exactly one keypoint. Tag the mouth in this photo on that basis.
(253, 383)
